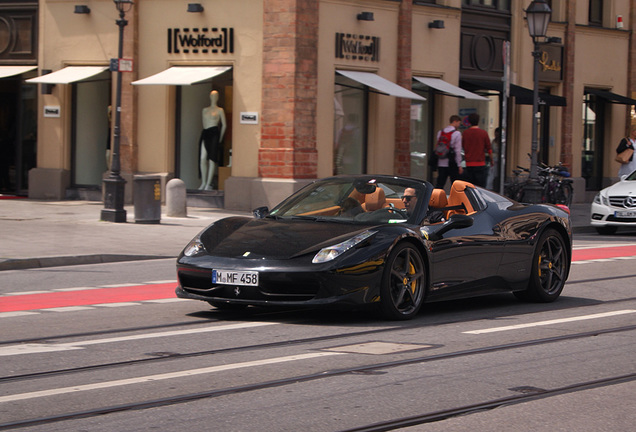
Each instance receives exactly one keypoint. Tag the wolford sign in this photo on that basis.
(357, 47)
(201, 40)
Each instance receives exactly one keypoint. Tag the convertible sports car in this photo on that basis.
(615, 206)
(384, 241)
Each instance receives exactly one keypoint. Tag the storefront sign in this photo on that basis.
(550, 61)
(52, 111)
(201, 40)
(249, 118)
(357, 47)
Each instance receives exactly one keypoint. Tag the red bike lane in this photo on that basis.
(96, 296)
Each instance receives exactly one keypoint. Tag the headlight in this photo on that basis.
(601, 199)
(332, 252)
(194, 248)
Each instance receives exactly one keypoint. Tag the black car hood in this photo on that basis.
(273, 239)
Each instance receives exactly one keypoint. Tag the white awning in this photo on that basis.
(183, 75)
(380, 84)
(449, 88)
(68, 75)
(8, 71)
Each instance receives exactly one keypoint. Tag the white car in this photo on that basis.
(615, 206)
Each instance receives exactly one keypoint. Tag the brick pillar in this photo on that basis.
(129, 151)
(631, 65)
(568, 112)
(402, 162)
(290, 76)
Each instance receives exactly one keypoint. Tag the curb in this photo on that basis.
(30, 263)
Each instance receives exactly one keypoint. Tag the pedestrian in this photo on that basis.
(449, 165)
(493, 171)
(476, 143)
(627, 143)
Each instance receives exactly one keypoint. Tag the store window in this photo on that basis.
(90, 139)
(422, 133)
(350, 126)
(191, 164)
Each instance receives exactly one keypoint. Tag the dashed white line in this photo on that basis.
(11, 350)
(164, 376)
(550, 322)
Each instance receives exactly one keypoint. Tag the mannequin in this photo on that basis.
(211, 147)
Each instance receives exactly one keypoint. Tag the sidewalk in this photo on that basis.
(36, 233)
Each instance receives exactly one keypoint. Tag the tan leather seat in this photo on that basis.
(374, 201)
(438, 199)
(458, 197)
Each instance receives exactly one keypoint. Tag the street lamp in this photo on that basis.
(538, 17)
(114, 185)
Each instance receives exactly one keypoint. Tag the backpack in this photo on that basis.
(443, 144)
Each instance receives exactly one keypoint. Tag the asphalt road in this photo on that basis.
(94, 360)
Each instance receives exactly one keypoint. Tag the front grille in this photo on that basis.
(612, 218)
(623, 201)
(273, 287)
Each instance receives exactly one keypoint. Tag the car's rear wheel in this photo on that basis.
(403, 283)
(549, 269)
(606, 230)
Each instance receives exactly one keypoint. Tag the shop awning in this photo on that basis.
(522, 95)
(9, 71)
(68, 75)
(183, 75)
(449, 89)
(611, 97)
(380, 84)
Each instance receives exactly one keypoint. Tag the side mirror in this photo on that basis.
(260, 212)
(456, 221)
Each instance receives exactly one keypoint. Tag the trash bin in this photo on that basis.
(147, 198)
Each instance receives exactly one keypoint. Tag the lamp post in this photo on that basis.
(114, 185)
(538, 17)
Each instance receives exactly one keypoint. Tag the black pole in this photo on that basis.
(114, 185)
(532, 191)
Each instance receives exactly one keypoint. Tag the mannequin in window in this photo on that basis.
(210, 143)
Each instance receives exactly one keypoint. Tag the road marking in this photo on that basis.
(11, 350)
(550, 322)
(164, 376)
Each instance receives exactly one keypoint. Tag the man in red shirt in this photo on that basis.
(476, 143)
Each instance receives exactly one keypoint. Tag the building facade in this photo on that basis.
(308, 89)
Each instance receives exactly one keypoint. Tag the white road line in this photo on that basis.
(11, 350)
(24, 293)
(159, 377)
(550, 322)
(17, 314)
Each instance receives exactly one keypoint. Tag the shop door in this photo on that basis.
(18, 135)
(90, 131)
(593, 133)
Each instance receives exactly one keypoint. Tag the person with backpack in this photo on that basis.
(448, 149)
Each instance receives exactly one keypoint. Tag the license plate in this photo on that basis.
(625, 214)
(229, 277)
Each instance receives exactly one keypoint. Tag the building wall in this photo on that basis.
(600, 60)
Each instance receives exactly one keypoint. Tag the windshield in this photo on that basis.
(364, 199)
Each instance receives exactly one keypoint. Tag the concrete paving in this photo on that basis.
(36, 233)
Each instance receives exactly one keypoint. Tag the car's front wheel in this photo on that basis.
(403, 283)
(549, 269)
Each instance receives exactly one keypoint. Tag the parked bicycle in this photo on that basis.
(554, 181)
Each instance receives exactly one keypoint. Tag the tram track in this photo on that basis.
(368, 368)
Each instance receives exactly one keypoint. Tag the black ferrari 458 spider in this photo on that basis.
(384, 241)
